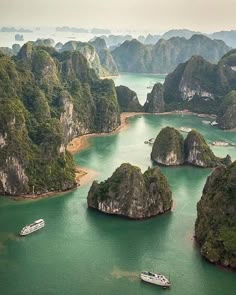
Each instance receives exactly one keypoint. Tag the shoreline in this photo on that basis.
(84, 175)
(79, 143)
(40, 196)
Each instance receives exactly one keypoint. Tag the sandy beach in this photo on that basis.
(82, 142)
(84, 176)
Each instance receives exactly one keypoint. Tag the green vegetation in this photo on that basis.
(168, 148)
(128, 100)
(215, 227)
(165, 55)
(102, 66)
(130, 193)
(200, 86)
(197, 152)
(155, 100)
(37, 88)
(227, 114)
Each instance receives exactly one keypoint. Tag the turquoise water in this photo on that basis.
(81, 251)
(140, 83)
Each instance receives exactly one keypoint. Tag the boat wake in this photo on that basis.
(130, 275)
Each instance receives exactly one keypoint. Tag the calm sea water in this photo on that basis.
(140, 83)
(81, 251)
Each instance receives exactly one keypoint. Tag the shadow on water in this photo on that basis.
(129, 240)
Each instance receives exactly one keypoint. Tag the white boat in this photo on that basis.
(155, 278)
(185, 129)
(30, 228)
(214, 123)
(206, 122)
(220, 143)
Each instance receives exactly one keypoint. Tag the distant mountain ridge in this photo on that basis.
(165, 55)
(229, 37)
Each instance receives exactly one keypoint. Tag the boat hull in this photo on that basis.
(156, 281)
(29, 229)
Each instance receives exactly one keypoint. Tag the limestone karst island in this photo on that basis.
(117, 147)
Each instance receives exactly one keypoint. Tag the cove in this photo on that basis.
(81, 251)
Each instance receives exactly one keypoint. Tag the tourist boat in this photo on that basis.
(28, 229)
(220, 143)
(202, 115)
(206, 122)
(214, 123)
(157, 279)
(185, 129)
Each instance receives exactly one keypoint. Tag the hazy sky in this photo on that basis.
(154, 15)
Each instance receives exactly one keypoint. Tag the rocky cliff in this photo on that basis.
(227, 114)
(155, 100)
(89, 52)
(215, 227)
(128, 100)
(105, 56)
(168, 148)
(47, 99)
(198, 153)
(165, 55)
(133, 56)
(132, 194)
(199, 85)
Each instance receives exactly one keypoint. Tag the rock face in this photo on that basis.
(47, 99)
(165, 55)
(128, 100)
(132, 194)
(215, 227)
(105, 56)
(92, 56)
(133, 56)
(199, 85)
(168, 148)
(155, 100)
(197, 152)
(227, 116)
